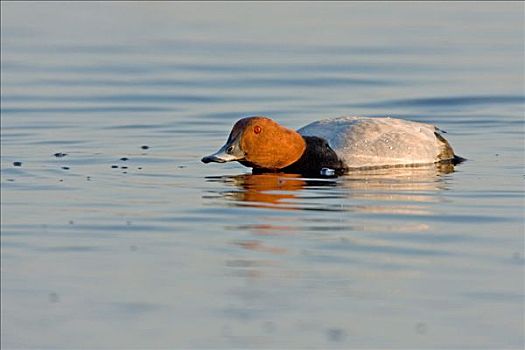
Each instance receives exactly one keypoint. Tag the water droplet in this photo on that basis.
(53, 297)
(335, 334)
(327, 172)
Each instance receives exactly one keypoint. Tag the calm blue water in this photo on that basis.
(109, 244)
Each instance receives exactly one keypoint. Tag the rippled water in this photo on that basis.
(115, 235)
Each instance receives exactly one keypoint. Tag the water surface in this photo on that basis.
(115, 235)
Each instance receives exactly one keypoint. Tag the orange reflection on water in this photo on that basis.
(261, 247)
(267, 189)
(269, 229)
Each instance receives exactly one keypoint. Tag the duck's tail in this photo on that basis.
(447, 153)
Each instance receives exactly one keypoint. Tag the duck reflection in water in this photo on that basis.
(274, 190)
(394, 191)
(291, 191)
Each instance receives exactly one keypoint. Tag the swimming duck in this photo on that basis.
(338, 144)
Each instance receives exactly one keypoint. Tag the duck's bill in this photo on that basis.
(221, 156)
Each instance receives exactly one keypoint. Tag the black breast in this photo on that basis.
(316, 156)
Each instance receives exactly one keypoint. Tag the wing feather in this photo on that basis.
(372, 142)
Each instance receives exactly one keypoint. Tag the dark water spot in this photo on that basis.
(71, 222)
(65, 167)
(123, 167)
(181, 166)
(17, 163)
(124, 172)
(124, 159)
(53, 297)
(144, 147)
(139, 168)
(88, 178)
(421, 328)
(114, 166)
(335, 334)
(60, 154)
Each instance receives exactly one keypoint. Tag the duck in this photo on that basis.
(333, 145)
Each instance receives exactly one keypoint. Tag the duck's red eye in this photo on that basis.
(257, 129)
